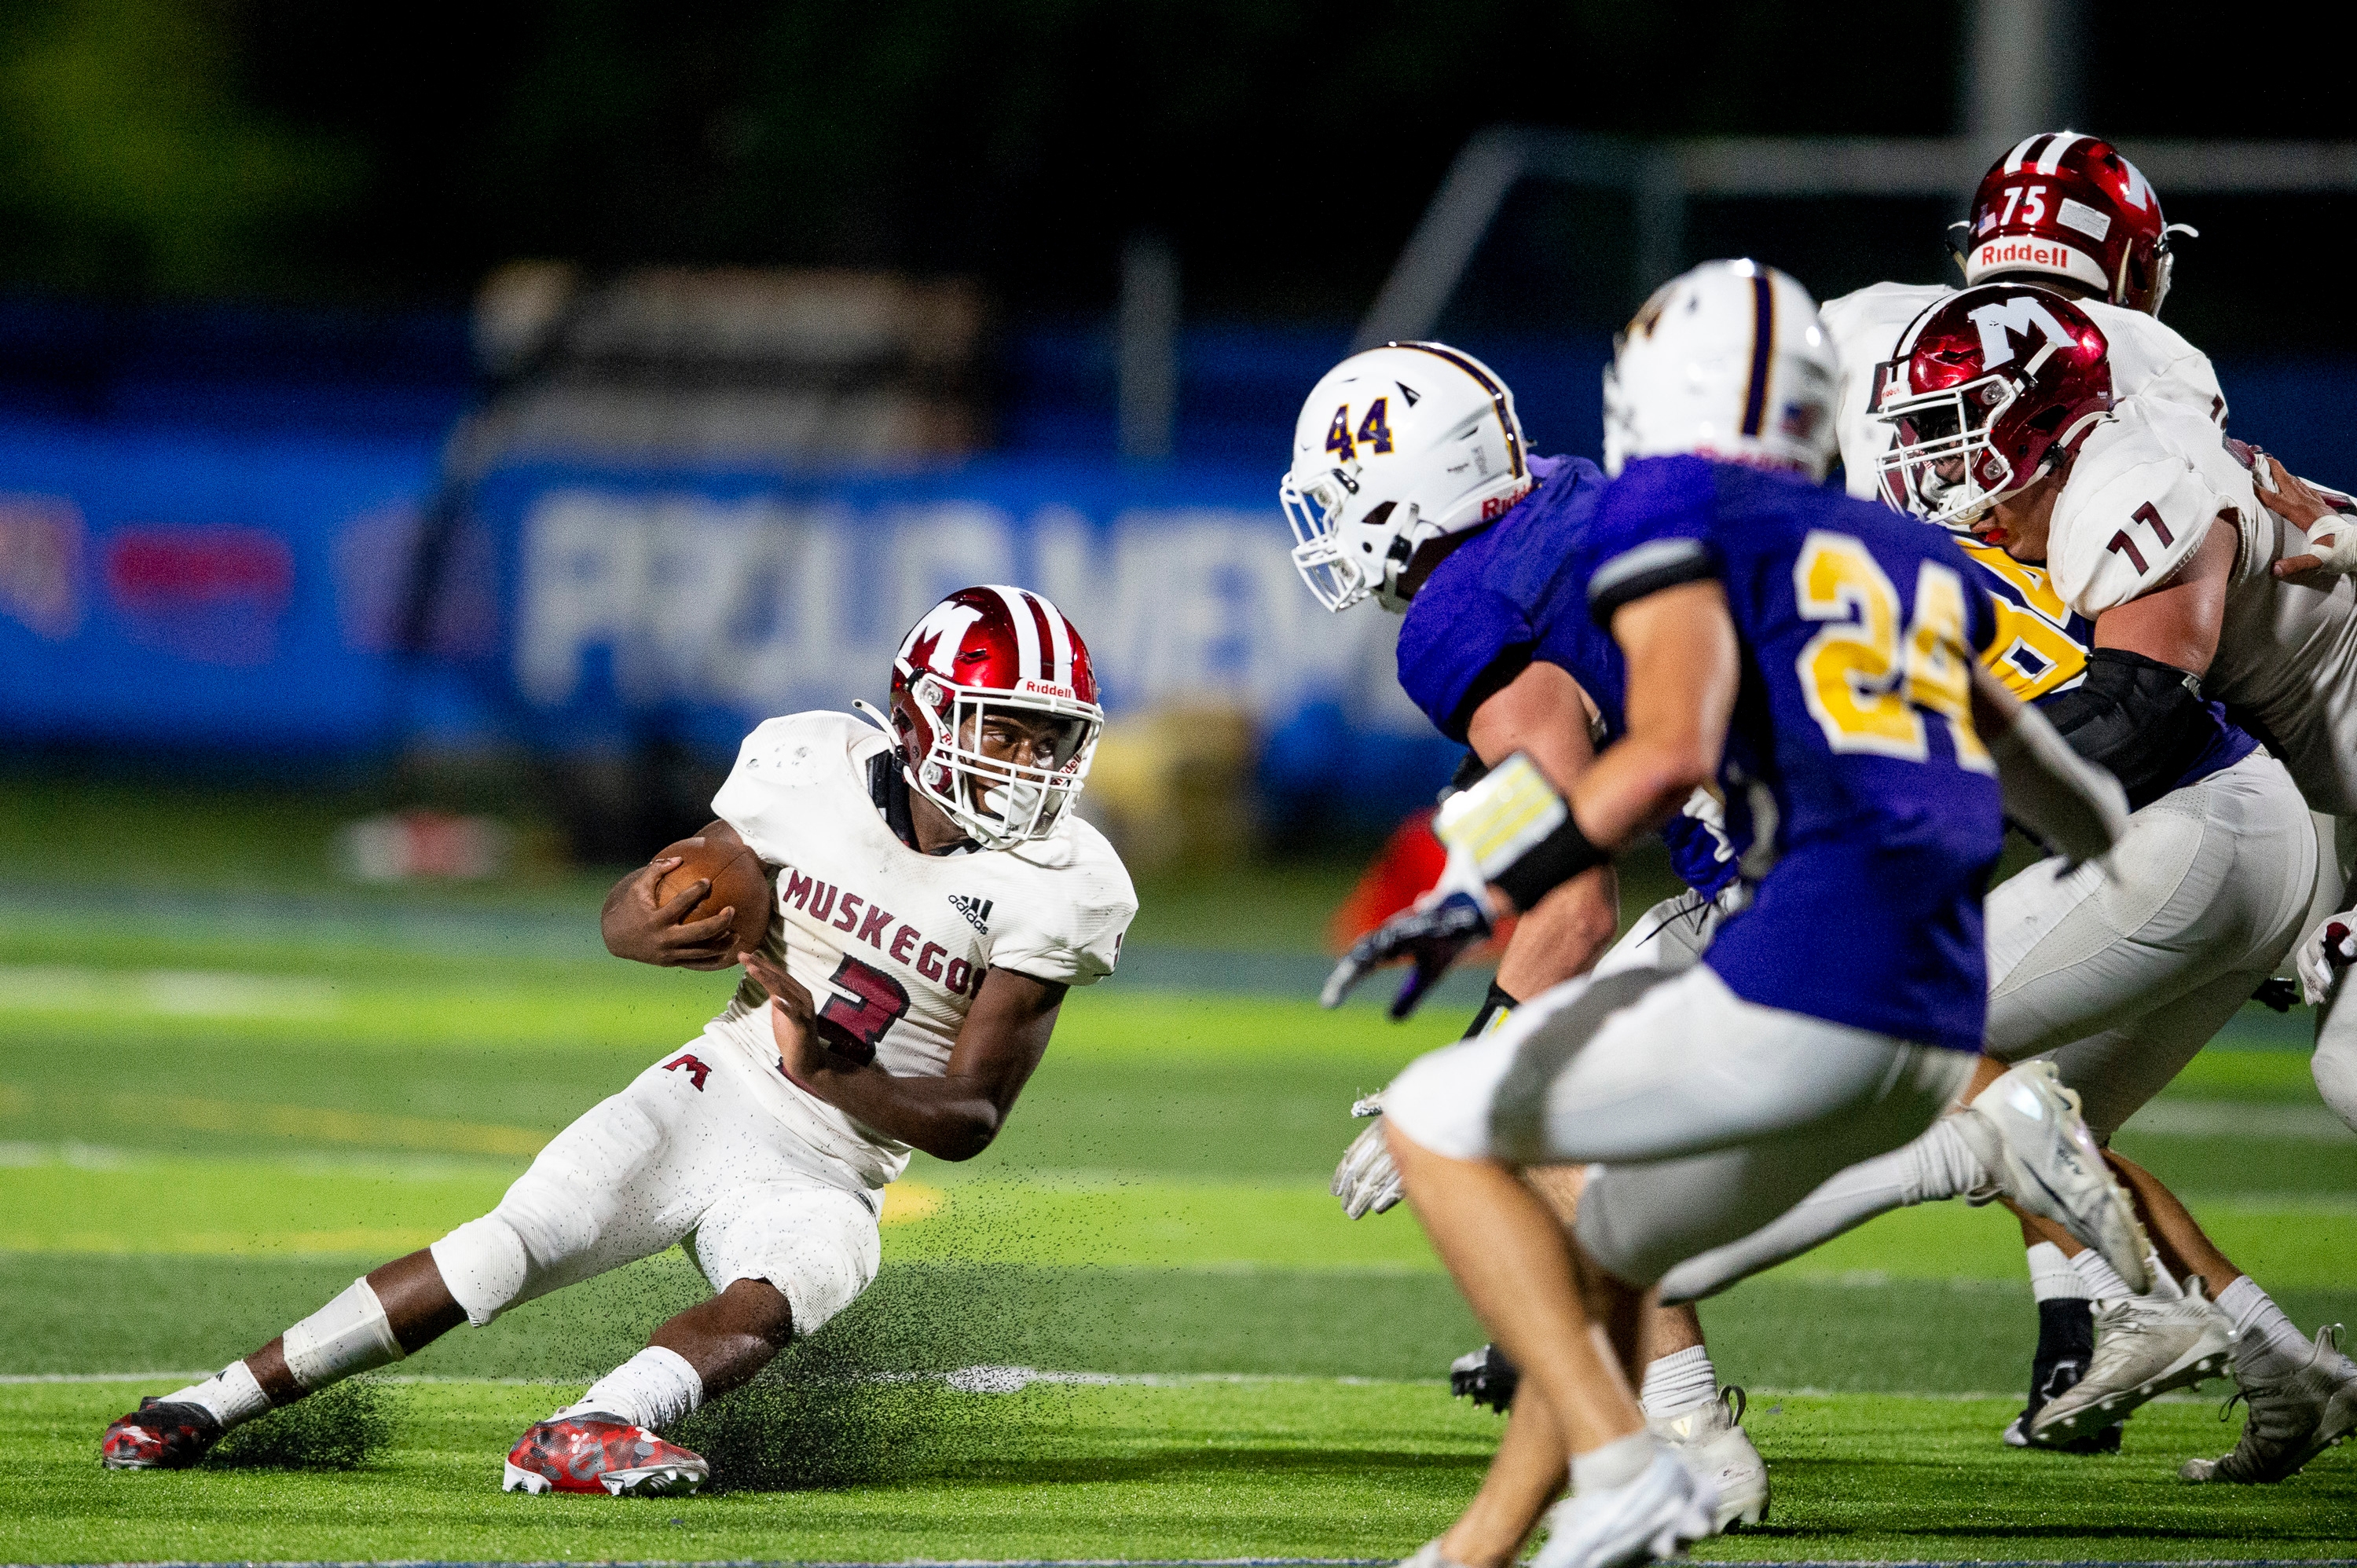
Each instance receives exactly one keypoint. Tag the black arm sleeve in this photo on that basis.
(2142, 719)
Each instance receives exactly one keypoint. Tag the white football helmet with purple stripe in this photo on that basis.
(1398, 450)
(985, 648)
(1729, 361)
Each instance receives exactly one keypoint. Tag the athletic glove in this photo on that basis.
(1366, 1181)
(1431, 937)
(2325, 954)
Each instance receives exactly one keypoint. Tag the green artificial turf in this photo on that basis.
(216, 1110)
(1281, 1468)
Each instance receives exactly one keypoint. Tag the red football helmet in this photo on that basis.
(1989, 388)
(2065, 205)
(994, 650)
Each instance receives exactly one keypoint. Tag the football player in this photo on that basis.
(1867, 749)
(2110, 531)
(1411, 484)
(935, 897)
(2067, 211)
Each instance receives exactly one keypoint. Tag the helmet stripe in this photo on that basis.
(1027, 631)
(1059, 641)
(2014, 159)
(1763, 349)
(1482, 379)
(2051, 159)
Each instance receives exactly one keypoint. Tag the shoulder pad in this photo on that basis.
(2134, 508)
(1066, 928)
(2152, 361)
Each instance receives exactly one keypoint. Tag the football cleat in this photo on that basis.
(2066, 1340)
(2292, 1419)
(1653, 1516)
(1709, 1439)
(1486, 1378)
(2144, 1347)
(590, 1454)
(159, 1437)
(2026, 1130)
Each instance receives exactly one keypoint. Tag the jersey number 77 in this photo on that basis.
(1869, 681)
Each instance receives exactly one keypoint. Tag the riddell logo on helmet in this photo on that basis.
(1497, 506)
(1042, 689)
(2024, 253)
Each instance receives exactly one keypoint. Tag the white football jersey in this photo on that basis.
(2147, 361)
(2140, 495)
(893, 944)
(2288, 658)
(2146, 484)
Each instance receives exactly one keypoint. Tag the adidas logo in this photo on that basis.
(975, 910)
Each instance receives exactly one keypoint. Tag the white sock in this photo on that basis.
(653, 1388)
(2104, 1282)
(1941, 1165)
(1616, 1464)
(1679, 1380)
(231, 1394)
(2269, 1343)
(1937, 1164)
(351, 1334)
(2051, 1275)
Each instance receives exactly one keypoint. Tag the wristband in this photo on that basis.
(1494, 1008)
(1516, 832)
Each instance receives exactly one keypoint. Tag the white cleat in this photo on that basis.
(2144, 1347)
(2292, 1419)
(1709, 1439)
(2026, 1128)
(1656, 1515)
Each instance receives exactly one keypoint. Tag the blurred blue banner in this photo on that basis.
(692, 606)
(160, 590)
(164, 590)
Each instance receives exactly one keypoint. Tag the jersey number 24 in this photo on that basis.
(1870, 682)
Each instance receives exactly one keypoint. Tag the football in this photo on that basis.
(737, 882)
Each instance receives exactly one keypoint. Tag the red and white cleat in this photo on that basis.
(590, 1452)
(159, 1437)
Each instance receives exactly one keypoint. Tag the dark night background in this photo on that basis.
(272, 149)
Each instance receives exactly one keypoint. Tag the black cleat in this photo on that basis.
(159, 1437)
(2066, 1340)
(1486, 1378)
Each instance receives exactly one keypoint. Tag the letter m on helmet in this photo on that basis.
(2001, 319)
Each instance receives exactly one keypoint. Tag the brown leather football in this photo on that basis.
(737, 881)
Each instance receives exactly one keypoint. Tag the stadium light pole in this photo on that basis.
(1147, 349)
(2015, 81)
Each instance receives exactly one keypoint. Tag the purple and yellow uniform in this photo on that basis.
(1504, 601)
(1857, 628)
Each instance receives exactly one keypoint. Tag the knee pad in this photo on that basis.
(484, 1266)
(351, 1334)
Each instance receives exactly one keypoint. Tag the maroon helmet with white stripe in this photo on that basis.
(2064, 204)
(994, 650)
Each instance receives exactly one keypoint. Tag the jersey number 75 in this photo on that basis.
(1869, 681)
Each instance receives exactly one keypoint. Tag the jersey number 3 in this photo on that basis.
(852, 1027)
(1868, 681)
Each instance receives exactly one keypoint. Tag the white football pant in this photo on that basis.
(2122, 969)
(1712, 1114)
(686, 1153)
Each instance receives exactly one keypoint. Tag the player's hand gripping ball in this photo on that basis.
(732, 916)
